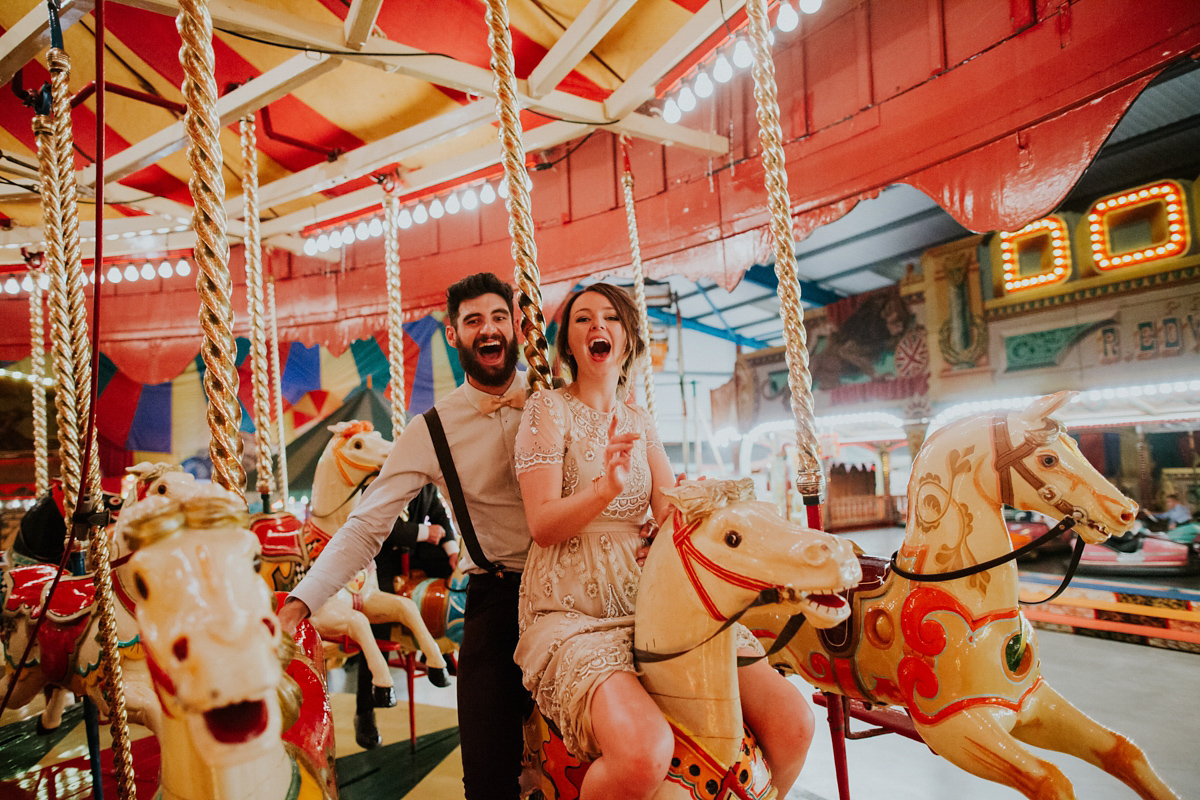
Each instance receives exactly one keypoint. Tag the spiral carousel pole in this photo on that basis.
(280, 446)
(520, 219)
(73, 366)
(810, 480)
(639, 277)
(213, 282)
(265, 484)
(391, 251)
(37, 358)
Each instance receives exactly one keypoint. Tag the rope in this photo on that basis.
(213, 282)
(520, 220)
(37, 357)
(391, 251)
(639, 278)
(810, 479)
(73, 358)
(260, 376)
(277, 389)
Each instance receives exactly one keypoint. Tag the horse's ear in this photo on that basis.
(338, 427)
(1043, 407)
(141, 468)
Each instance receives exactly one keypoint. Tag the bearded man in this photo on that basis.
(480, 420)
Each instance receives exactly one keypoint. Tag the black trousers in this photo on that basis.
(492, 702)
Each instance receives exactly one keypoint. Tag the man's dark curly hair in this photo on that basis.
(473, 286)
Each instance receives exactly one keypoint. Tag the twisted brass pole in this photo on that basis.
(639, 277)
(37, 368)
(73, 355)
(277, 390)
(265, 483)
(520, 218)
(810, 479)
(391, 250)
(213, 282)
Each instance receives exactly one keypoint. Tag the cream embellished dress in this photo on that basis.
(577, 596)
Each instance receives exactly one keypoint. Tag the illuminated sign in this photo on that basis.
(1139, 226)
(1037, 255)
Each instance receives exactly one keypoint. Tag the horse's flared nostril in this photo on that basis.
(270, 623)
(1127, 517)
(180, 648)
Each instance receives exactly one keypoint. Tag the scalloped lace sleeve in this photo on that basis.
(646, 423)
(541, 437)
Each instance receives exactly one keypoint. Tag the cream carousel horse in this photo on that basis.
(353, 456)
(720, 553)
(959, 654)
(66, 655)
(213, 645)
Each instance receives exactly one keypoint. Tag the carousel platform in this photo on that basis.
(1134, 689)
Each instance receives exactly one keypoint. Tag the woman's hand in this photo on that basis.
(618, 457)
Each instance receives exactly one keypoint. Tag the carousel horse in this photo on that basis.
(214, 650)
(719, 553)
(958, 654)
(351, 459)
(66, 655)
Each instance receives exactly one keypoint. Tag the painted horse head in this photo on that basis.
(206, 622)
(732, 548)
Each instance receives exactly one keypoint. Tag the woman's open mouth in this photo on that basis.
(599, 349)
(237, 722)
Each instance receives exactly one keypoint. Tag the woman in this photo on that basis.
(592, 470)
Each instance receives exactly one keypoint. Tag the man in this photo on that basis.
(427, 535)
(1176, 514)
(480, 419)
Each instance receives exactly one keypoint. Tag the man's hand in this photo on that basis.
(648, 531)
(453, 560)
(294, 612)
(436, 533)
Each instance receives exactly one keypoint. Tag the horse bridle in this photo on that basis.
(342, 461)
(691, 556)
(1013, 458)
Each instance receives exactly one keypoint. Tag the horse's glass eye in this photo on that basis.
(139, 583)
(162, 488)
(258, 563)
(733, 538)
(358, 445)
(1049, 460)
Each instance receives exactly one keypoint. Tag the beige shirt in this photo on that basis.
(482, 446)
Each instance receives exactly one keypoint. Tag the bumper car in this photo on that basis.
(1140, 551)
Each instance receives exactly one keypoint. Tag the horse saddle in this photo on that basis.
(840, 639)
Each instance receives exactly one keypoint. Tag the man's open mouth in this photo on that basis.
(599, 349)
(491, 352)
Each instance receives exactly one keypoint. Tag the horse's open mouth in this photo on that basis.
(827, 600)
(237, 722)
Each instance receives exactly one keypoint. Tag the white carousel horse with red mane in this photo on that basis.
(958, 654)
(351, 459)
(214, 649)
(719, 553)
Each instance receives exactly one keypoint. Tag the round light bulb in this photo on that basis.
(420, 215)
(361, 231)
(335, 240)
(436, 209)
(703, 87)
(148, 270)
(44, 281)
(322, 243)
(487, 195)
(375, 228)
(310, 246)
(502, 188)
(722, 70)
(742, 55)
(164, 270)
(671, 113)
(348, 236)
(11, 286)
(470, 200)
(404, 219)
(114, 275)
(27, 283)
(687, 100)
(809, 6)
(183, 268)
(131, 273)
(453, 206)
(788, 19)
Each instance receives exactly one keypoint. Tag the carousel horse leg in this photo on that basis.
(384, 607)
(975, 741)
(51, 717)
(337, 618)
(32, 681)
(1055, 724)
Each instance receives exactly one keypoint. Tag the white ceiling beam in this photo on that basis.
(655, 129)
(245, 99)
(639, 87)
(455, 167)
(592, 25)
(21, 43)
(360, 20)
(368, 158)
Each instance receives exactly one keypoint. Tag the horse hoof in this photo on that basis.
(437, 676)
(382, 697)
(42, 730)
(365, 732)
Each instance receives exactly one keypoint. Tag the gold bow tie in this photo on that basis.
(514, 399)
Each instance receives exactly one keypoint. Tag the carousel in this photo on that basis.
(148, 592)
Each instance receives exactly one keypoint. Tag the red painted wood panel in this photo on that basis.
(456, 231)
(592, 175)
(493, 221)
(972, 26)
(837, 67)
(906, 44)
(789, 77)
(646, 160)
